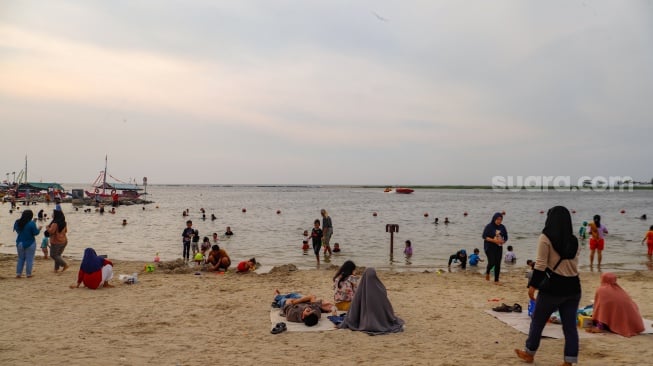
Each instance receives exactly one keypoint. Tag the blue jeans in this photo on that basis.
(281, 299)
(567, 306)
(25, 259)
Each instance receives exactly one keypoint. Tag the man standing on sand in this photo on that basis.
(327, 230)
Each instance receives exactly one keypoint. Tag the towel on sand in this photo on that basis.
(522, 322)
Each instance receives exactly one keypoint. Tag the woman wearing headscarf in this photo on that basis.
(614, 310)
(94, 271)
(25, 243)
(557, 261)
(327, 231)
(58, 239)
(344, 285)
(494, 236)
(370, 310)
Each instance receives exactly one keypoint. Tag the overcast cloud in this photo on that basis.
(326, 92)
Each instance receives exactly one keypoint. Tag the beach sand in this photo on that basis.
(186, 319)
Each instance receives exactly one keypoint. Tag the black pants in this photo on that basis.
(494, 255)
(186, 253)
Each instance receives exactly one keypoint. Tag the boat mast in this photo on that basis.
(104, 176)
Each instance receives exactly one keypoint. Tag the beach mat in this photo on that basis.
(522, 322)
(323, 325)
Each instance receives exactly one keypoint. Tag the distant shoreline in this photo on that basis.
(446, 186)
(443, 186)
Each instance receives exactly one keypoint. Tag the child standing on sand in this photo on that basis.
(45, 243)
(649, 242)
(316, 236)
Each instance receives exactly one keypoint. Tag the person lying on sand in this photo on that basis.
(299, 308)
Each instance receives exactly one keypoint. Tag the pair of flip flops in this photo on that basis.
(508, 309)
(279, 328)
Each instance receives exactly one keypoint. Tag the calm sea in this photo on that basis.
(276, 239)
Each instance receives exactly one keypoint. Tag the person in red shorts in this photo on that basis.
(597, 240)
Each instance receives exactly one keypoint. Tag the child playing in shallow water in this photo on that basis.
(582, 232)
(408, 249)
(305, 242)
(461, 256)
(648, 238)
(475, 258)
(510, 255)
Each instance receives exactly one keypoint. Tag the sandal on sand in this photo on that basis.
(503, 308)
(525, 356)
(516, 308)
(279, 328)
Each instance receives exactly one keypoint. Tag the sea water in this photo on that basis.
(276, 238)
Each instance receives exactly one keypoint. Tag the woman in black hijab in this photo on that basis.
(555, 275)
(494, 236)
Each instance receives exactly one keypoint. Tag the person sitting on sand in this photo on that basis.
(344, 284)
(218, 259)
(94, 271)
(614, 310)
(298, 308)
(371, 311)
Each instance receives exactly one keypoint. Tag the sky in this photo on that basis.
(325, 92)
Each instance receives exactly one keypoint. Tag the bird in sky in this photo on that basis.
(379, 17)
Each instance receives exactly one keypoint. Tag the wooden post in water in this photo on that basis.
(391, 228)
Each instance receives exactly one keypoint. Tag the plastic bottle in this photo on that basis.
(531, 307)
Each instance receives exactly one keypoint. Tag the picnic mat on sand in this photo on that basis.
(522, 322)
(322, 325)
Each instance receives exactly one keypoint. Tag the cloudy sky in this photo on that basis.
(326, 92)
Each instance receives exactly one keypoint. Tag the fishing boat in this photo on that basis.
(398, 190)
(104, 190)
(404, 190)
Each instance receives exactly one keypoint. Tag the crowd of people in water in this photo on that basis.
(553, 274)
